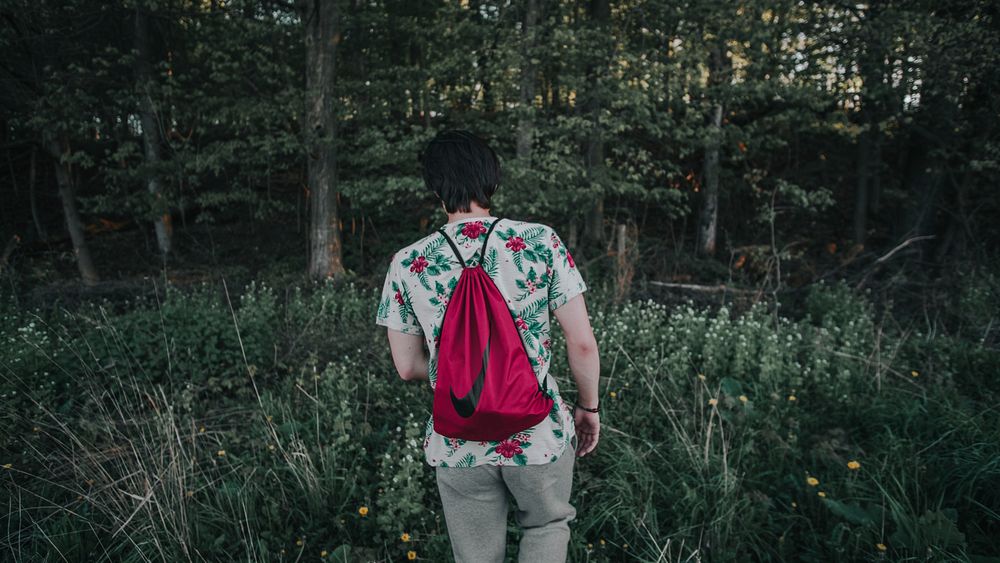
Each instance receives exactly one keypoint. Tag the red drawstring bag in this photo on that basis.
(486, 388)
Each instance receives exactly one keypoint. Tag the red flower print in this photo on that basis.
(516, 244)
(509, 448)
(547, 344)
(522, 437)
(521, 323)
(555, 241)
(569, 258)
(473, 229)
(418, 264)
(530, 285)
(399, 297)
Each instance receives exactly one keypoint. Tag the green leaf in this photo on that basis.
(851, 512)
(731, 387)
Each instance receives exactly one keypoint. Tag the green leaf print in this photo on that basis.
(519, 262)
(520, 459)
(468, 460)
(554, 411)
(404, 310)
(431, 262)
(490, 263)
(532, 284)
(531, 235)
(383, 309)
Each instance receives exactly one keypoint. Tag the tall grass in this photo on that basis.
(271, 427)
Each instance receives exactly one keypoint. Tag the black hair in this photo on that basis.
(459, 167)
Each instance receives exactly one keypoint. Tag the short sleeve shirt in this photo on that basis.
(536, 274)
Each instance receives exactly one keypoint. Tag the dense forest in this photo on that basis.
(786, 212)
(768, 143)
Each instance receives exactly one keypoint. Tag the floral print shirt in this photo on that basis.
(536, 274)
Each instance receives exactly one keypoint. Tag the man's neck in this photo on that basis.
(474, 211)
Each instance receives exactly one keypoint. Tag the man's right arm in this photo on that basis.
(581, 349)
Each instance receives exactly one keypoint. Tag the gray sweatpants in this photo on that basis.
(475, 501)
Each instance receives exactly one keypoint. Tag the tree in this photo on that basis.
(150, 126)
(320, 20)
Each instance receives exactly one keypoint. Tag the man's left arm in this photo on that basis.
(406, 336)
(408, 355)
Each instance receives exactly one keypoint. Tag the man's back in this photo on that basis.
(535, 273)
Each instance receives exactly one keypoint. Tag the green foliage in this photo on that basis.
(718, 419)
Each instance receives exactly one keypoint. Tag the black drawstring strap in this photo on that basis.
(454, 247)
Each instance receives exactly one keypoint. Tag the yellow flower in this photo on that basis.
(812, 481)
(880, 546)
(201, 429)
(189, 494)
(713, 402)
(701, 376)
(743, 398)
(791, 397)
(270, 418)
(625, 545)
(590, 546)
(35, 429)
(405, 537)
(411, 555)
(853, 464)
(7, 466)
(602, 541)
(298, 541)
(913, 373)
(795, 504)
(822, 494)
(221, 453)
(322, 553)
(613, 394)
(363, 511)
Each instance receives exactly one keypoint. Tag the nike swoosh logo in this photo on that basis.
(466, 405)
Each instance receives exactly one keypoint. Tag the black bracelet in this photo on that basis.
(594, 410)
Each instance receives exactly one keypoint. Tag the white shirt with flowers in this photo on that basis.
(536, 274)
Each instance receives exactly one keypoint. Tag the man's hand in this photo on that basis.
(408, 355)
(588, 429)
(585, 364)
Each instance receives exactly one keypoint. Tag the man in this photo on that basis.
(535, 272)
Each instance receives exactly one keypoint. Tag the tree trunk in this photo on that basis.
(151, 130)
(526, 123)
(322, 35)
(33, 196)
(861, 195)
(709, 217)
(67, 193)
(600, 15)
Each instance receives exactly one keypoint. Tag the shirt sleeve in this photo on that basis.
(565, 281)
(395, 309)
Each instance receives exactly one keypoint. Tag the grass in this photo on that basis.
(269, 427)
